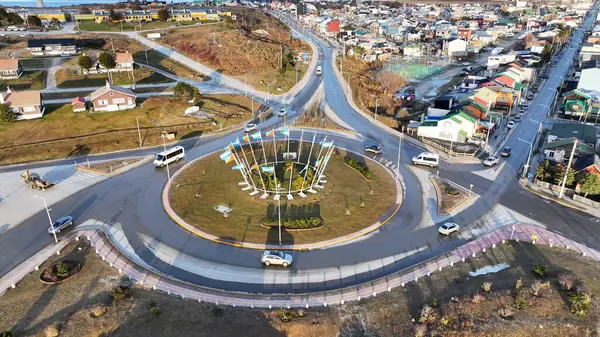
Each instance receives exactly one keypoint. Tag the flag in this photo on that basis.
(228, 147)
(238, 167)
(271, 133)
(318, 162)
(268, 169)
(236, 142)
(326, 144)
(246, 138)
(289, 167)
(304, 169)
(255, 166)
(285, 132)
(225, 155)
(229, 159)
(256, 135)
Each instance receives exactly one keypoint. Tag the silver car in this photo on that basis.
(270, 257)
(60, 224)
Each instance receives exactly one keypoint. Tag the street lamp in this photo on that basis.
(163, 136)
(279, 211)
(526, 167)
(49, 218)
(246, 83)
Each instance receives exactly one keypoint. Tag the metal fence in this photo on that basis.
(417, 67)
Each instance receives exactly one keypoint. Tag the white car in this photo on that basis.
(448, 228)
(490, 161)
(250, 127)
(270, 257)
(510, 124)
(282, 112)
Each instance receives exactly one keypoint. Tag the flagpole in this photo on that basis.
(300, 146)
(263, 148)
(318, 156)
(236, 157)
(237, 163)
(248, 164)
(274, 147)
(321, 169)
(308, 161)
(253, 156)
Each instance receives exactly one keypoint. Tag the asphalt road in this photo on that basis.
(132, 199)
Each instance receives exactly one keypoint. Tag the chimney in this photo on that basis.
(8, 91)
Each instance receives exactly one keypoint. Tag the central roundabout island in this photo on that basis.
(266, 191)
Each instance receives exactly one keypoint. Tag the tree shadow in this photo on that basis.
(80, 150)
(287, 238)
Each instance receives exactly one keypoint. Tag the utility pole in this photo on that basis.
(137, 121)
(398, 163)
(164, 135)
(564, 182)
(49, 218)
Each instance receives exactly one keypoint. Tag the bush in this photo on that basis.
(486, 286)
(520, 301)
(445, 320)
(428, 315)
(540, 270)
(119, 293)
(355, 164)
(567, 281)
(302, 223)
(218, 311)
(581, 304)
(286, 315)
(478, 298)
(537, 286)
(154, 309)
(6, 334)
(300, 313)
(519, 284)
(420, 330)
(452, 191)
(52, 330)
(505, 312)
(63, 270)
(97, 311)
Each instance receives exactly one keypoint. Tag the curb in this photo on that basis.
(551, 198)
(303, 247)
(439, 196)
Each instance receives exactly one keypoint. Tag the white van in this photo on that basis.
(319, 70)
(427, 158)
(169, 156)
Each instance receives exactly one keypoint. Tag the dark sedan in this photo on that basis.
(373, 149)
(60, 224)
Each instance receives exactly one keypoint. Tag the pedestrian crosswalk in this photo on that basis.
(77, 177)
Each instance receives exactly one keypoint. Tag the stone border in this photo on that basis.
(64, 279)
(183, 224)
(440, 210)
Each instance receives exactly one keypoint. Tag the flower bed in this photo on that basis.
(303, 223)
(59, 272)
(362, 169)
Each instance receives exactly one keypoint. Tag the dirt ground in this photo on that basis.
(108, 167)
(448, 202)
(32, 306)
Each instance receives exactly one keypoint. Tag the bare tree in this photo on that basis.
(389, 81)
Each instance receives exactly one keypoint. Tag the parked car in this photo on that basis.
(544, 77)
(518, 118)
(282, 112)
(373, 149)
(534, 90)
(529, 96)
(250, 127)
(448, 228)
(60, 224)
(490, 161)
(274, 257)
(510, 124)
(505, 151)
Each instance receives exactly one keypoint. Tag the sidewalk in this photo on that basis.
(553, 196)
(145, 276)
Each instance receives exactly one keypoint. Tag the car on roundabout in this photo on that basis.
(373, 149)
(448, 228)
(505, 151)
(282, 112)
(60, 224)
(250, 127)
(490, 161)
(273, 257)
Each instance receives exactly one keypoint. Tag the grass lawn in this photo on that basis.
(214, 183)
(70, 78)
(118, 128)
(313, 118)
(162, 62)
(451, 196)
(279, 82)
(40, 62)
(28, 81)
(129, 26)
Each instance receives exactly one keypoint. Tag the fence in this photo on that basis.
(449, 150)
(416, 67)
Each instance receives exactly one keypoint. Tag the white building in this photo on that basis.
(456, 47)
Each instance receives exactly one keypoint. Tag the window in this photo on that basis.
(118, 100)
(28, 109)
(551, 154)
(112, 93)
(103, 102)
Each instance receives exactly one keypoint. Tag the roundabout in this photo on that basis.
(326, 199)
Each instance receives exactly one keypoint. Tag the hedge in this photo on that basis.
(303, 223)
(362, 169)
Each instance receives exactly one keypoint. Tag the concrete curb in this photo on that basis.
(440, 210)
(322, 244)
(566, 204)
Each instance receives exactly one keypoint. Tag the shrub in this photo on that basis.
(520, 301)
(218, 311)
(581, 304)
(434, 302)
(567, 281)
(52, 330)
(286, 315)
(119, 293)
(428, 315)
(519, 284)
(154, 309)
(537, 286)
(355, 164)
(300, 313)
(302, 223)
(6, 334)
(478, 298)
(420, 330)
(63, 269)
(445, 320)
(505, 312)
(97, 311)
(452, 191)
(540, 270)
(486, 286)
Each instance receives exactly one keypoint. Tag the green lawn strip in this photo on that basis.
(69, 78)
(35, 80)
(130, 26)
(210, 182)
(35, 63)
(162, 62)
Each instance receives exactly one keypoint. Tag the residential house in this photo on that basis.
(413, 49)
(464, 33)
(333, 27)
(78, 104)
(589, 82)
(112, 98)
(124, 62)
(589, 52)
(45, 14)
(559, 151)
(456, 47)
(576, 103)
(25, 104)
(100, 16)
(495, 61)
(441, 106)
(142, 15)
(10, 68)
(585, 133)
(41, 47)
(453, 127)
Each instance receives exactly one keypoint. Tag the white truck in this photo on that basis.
(154, 35)
(497, 51)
